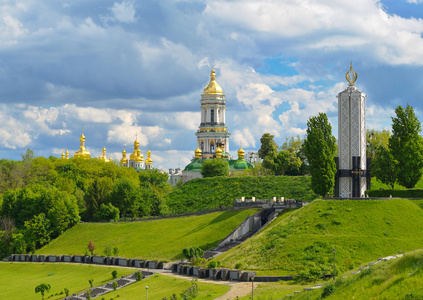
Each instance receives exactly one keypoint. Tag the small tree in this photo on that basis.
(215, 167)
(108, 250)
(91, 282)
(114, 274)
(42, 288)
(91, 247)
(66, 292)
(89, 294)
(384, 167)
(115, 251)
(139, 276)
(115, 285)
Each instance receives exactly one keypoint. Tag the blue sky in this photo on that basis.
(119, 69)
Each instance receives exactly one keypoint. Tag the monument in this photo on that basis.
(353, 176)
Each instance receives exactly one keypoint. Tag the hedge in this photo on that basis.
(406, 194)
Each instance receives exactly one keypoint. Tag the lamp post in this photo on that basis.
(334, 250)
(147, 291)
(252, 288)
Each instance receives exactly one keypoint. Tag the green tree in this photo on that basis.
(114, 274)
(192, 252)
(42, 288)
(319, 148)
(37, 231)
(268, 146)
(97, 193)
(215, 167)
(406, 146)
(127, 197)
(385, 166)
(107, 212)
(115, 285)
(286, 161)
(375, 139)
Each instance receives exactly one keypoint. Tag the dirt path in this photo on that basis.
(239, 289)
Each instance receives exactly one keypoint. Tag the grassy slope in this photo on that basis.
(211, 192)
(361, 231)
(156, 239)
(160, 286)
(396, 279)
(20, 279)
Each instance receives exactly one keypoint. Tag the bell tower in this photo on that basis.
(212, 130)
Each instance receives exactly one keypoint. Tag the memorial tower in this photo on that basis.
(352, 175)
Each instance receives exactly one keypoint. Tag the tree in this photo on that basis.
(385, 167)
(107, 212)
(115, 285)
(406, 146)
(215, 167)
(91, 247)
(127, 197)
(192, 252)
(319, 147)
(97, 193)
(375, 139)
(286, 161)
(42, 288)
(268, 146)
(91, 281)
(114, 274)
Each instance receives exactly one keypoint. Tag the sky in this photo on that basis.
(120, 69)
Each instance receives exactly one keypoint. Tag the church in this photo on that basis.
(136, 159)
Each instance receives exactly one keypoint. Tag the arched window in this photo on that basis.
(211, 147)
(202, 146)
(212, 115)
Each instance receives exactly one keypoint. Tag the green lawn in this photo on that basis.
(161, 286)
(20, 279)
(154, 240)
(212, 192)
(401, 278)
(360, 230)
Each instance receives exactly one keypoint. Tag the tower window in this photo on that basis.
(212, 115)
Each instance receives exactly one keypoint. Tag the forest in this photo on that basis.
(42, 197)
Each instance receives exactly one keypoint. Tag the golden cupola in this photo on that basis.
(241, 153)
(148, 160)
(82, 152)
(124, 160)
(198, 153)
(213, 88)
(63, 155)
(67, 154)
(219, 152)
(136, 154)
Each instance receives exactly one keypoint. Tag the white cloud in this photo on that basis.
(124, 12)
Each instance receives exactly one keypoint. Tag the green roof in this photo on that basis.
(194, 165)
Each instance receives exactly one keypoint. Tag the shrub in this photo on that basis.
(91, 247)
(212, 265)
(192, 252)
(328, 290)
(114, 274)
(115, 285)
(239, 266)
(139, 276)
(108, 251)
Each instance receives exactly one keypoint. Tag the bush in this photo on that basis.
(406, 194)
(239, 266)
(212, 265)
(107, 212)
(192, 252)
(139, 276)
(328, 290)
(114, 274)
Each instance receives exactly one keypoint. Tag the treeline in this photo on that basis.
(42, 197)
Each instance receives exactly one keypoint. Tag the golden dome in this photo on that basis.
(139, 157)
(134, 154)
(82, 152)
(67, 154)
(219, 152)
(241, 153)
(198, 153)
(124, 160)
(213, 88)
(148, 160)
(63, 155)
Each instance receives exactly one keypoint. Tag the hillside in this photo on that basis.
(205, 193)
(155, 239)
(360, 231)
(395, 279)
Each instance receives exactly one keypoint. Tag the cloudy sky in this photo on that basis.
(117, 69)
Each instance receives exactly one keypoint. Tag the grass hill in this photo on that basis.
(360, 231)
(206, 193)
(154, 239)
(395, 279)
